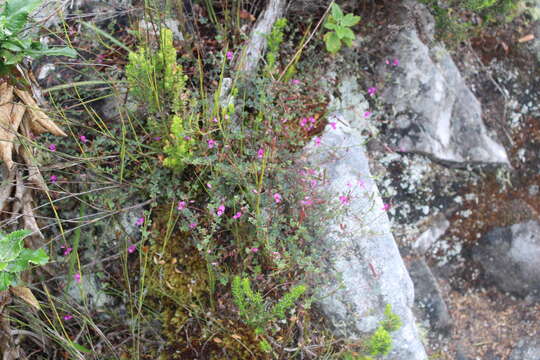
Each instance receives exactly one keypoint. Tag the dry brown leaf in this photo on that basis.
(10, 118)
(38, 115)
(6, 93)
(34, 175)
(25, 294)
(29, 218)
(526, 38)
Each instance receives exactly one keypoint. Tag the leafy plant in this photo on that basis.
(380, 342)
(274, 41)
(15, 258)
(15, 43)
(252, 308)
(392, 321)
(340, 25)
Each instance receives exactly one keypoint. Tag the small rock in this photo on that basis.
(510, 257)
(527, 349)
(429, 237)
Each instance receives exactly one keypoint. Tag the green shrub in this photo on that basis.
(340, 25)
(380, 342)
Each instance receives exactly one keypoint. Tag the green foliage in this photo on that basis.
(265, 346)
(392, 321)
(15, 258)
(340, 25)
(158, 81)
(274, 41)
(252, 308)
(380, 342)
(14, 43)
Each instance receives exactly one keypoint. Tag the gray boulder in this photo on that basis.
(428, 297)
(527, 349)
(365, 270)
(510, 257)
(435, 111)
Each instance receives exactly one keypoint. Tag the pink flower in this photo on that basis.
(156, 138)
(181, 205)
(295, 81)
(209, 185)
(260, 153)
(229, 55)
(52, 147)
(307, 201)
(277, 198)
(187, 138)
(53, 178)
(367, 114)
(313, 183)
(333, 125)
(131, 249)
(139, 221)
(237, 215)
(77, 277)
(192, 225)
(303, 122)
(215, 119)
(67, 251)
(344, 199)
(395, 62)
(371, 91)
(275, 253)
(385, 207)
(317, 141)
(83, 139)
(211, 143)
(312, 120)
(68, 317)
(254, 249)
(387, 62)
(220, 210)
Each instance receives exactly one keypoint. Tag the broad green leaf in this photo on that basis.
(350, 20)
(333, 44)
(347, 34)
(330, 26)
(347, 42)
(65, 51)
(11, 245)
(10, 45)
(336, 12)
(81, 348)
(26, 258)
(16, 12)
(6, 279)
(341, 32)
(3, 265)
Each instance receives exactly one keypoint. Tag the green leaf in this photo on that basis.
(26, 258)
(6, 279)
(341, 32)
(10, 45)
(65, 51)
(350, 20)
(336, 12)
(347, 42)
(347, 33)
(16, 13)
(3, 265)
(330, 26)
(333, 44)
(11, 245)
(81, 348)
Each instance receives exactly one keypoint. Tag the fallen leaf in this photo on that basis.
(38, 115)
(25, 294)
(217, 340)
(237, 337)
(526, 38)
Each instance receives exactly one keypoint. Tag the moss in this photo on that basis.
(179, 286)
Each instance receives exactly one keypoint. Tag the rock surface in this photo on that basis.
(361, 249)
(435, 111)
(510, 256)
(428, 297)
(528, 349)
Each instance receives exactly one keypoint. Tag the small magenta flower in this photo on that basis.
(220, 210)
(317, 141)
(254, 249)
(229, 55)
(387, 62)
(131, 249)
(209, 185)
(187, 138)
(313, 183)
(385, 207)
(277, 198)
(215, 119)
(260, 153)
(83, 139)
(53, 179)
(139, 221)
(395, 62)
(303, 122)
(52, 147)
(181, 205)
(333, 124)
(371, 91)
(237, 215)
(367, 114)
(156, 138)
(67, 251)
(295, 81)
(344, 199)
(77, 277)
(312, 120)
(192, 225)
(211, 143)
(307, 201)
(68, 317)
